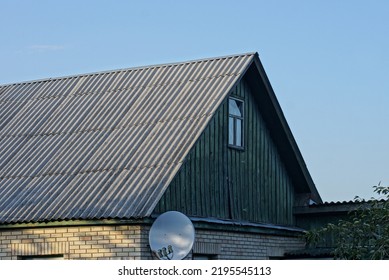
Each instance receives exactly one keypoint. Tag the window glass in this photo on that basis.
(238, 134)
(235, 107)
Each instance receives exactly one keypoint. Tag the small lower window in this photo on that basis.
(41, 257)
(204, 257)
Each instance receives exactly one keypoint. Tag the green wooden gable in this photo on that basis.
(216, 180)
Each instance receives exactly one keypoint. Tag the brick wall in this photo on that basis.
(238, 245)
(131, 242)
(75, 242)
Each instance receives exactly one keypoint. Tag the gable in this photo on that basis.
(250, 184)
(262, 183)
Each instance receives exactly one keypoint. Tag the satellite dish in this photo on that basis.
(171, 236)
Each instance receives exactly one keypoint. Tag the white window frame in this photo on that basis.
(234, 120)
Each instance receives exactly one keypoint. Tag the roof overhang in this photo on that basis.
(280, 131)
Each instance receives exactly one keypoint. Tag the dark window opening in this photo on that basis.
(41, 257)
(204, 256)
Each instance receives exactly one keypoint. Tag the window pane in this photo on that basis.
(238, 135)
(235, 107)
(230, 131)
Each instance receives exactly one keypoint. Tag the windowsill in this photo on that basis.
(239, 148)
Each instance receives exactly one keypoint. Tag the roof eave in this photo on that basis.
(290, 150)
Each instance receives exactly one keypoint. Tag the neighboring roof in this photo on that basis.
(106, 145)
(334, 207)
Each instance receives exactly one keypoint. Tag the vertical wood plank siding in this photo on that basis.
(222, 182)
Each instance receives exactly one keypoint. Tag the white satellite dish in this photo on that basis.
(171, 236)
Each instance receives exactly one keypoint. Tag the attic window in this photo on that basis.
(235, 123)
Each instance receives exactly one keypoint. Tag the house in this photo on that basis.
(87, 162)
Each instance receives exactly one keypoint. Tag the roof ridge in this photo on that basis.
(128, 69)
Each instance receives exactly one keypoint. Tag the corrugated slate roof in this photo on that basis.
(104, 145)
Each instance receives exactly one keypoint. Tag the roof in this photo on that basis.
(105, 145)
(335, 207)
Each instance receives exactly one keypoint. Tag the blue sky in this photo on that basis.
(328, 62)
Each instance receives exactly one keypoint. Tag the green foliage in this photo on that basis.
(364, 235)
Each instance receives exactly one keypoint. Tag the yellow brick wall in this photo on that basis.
(75, 242)
(239, 245)
(131, 242)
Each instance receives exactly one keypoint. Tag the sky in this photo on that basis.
(327, 61)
